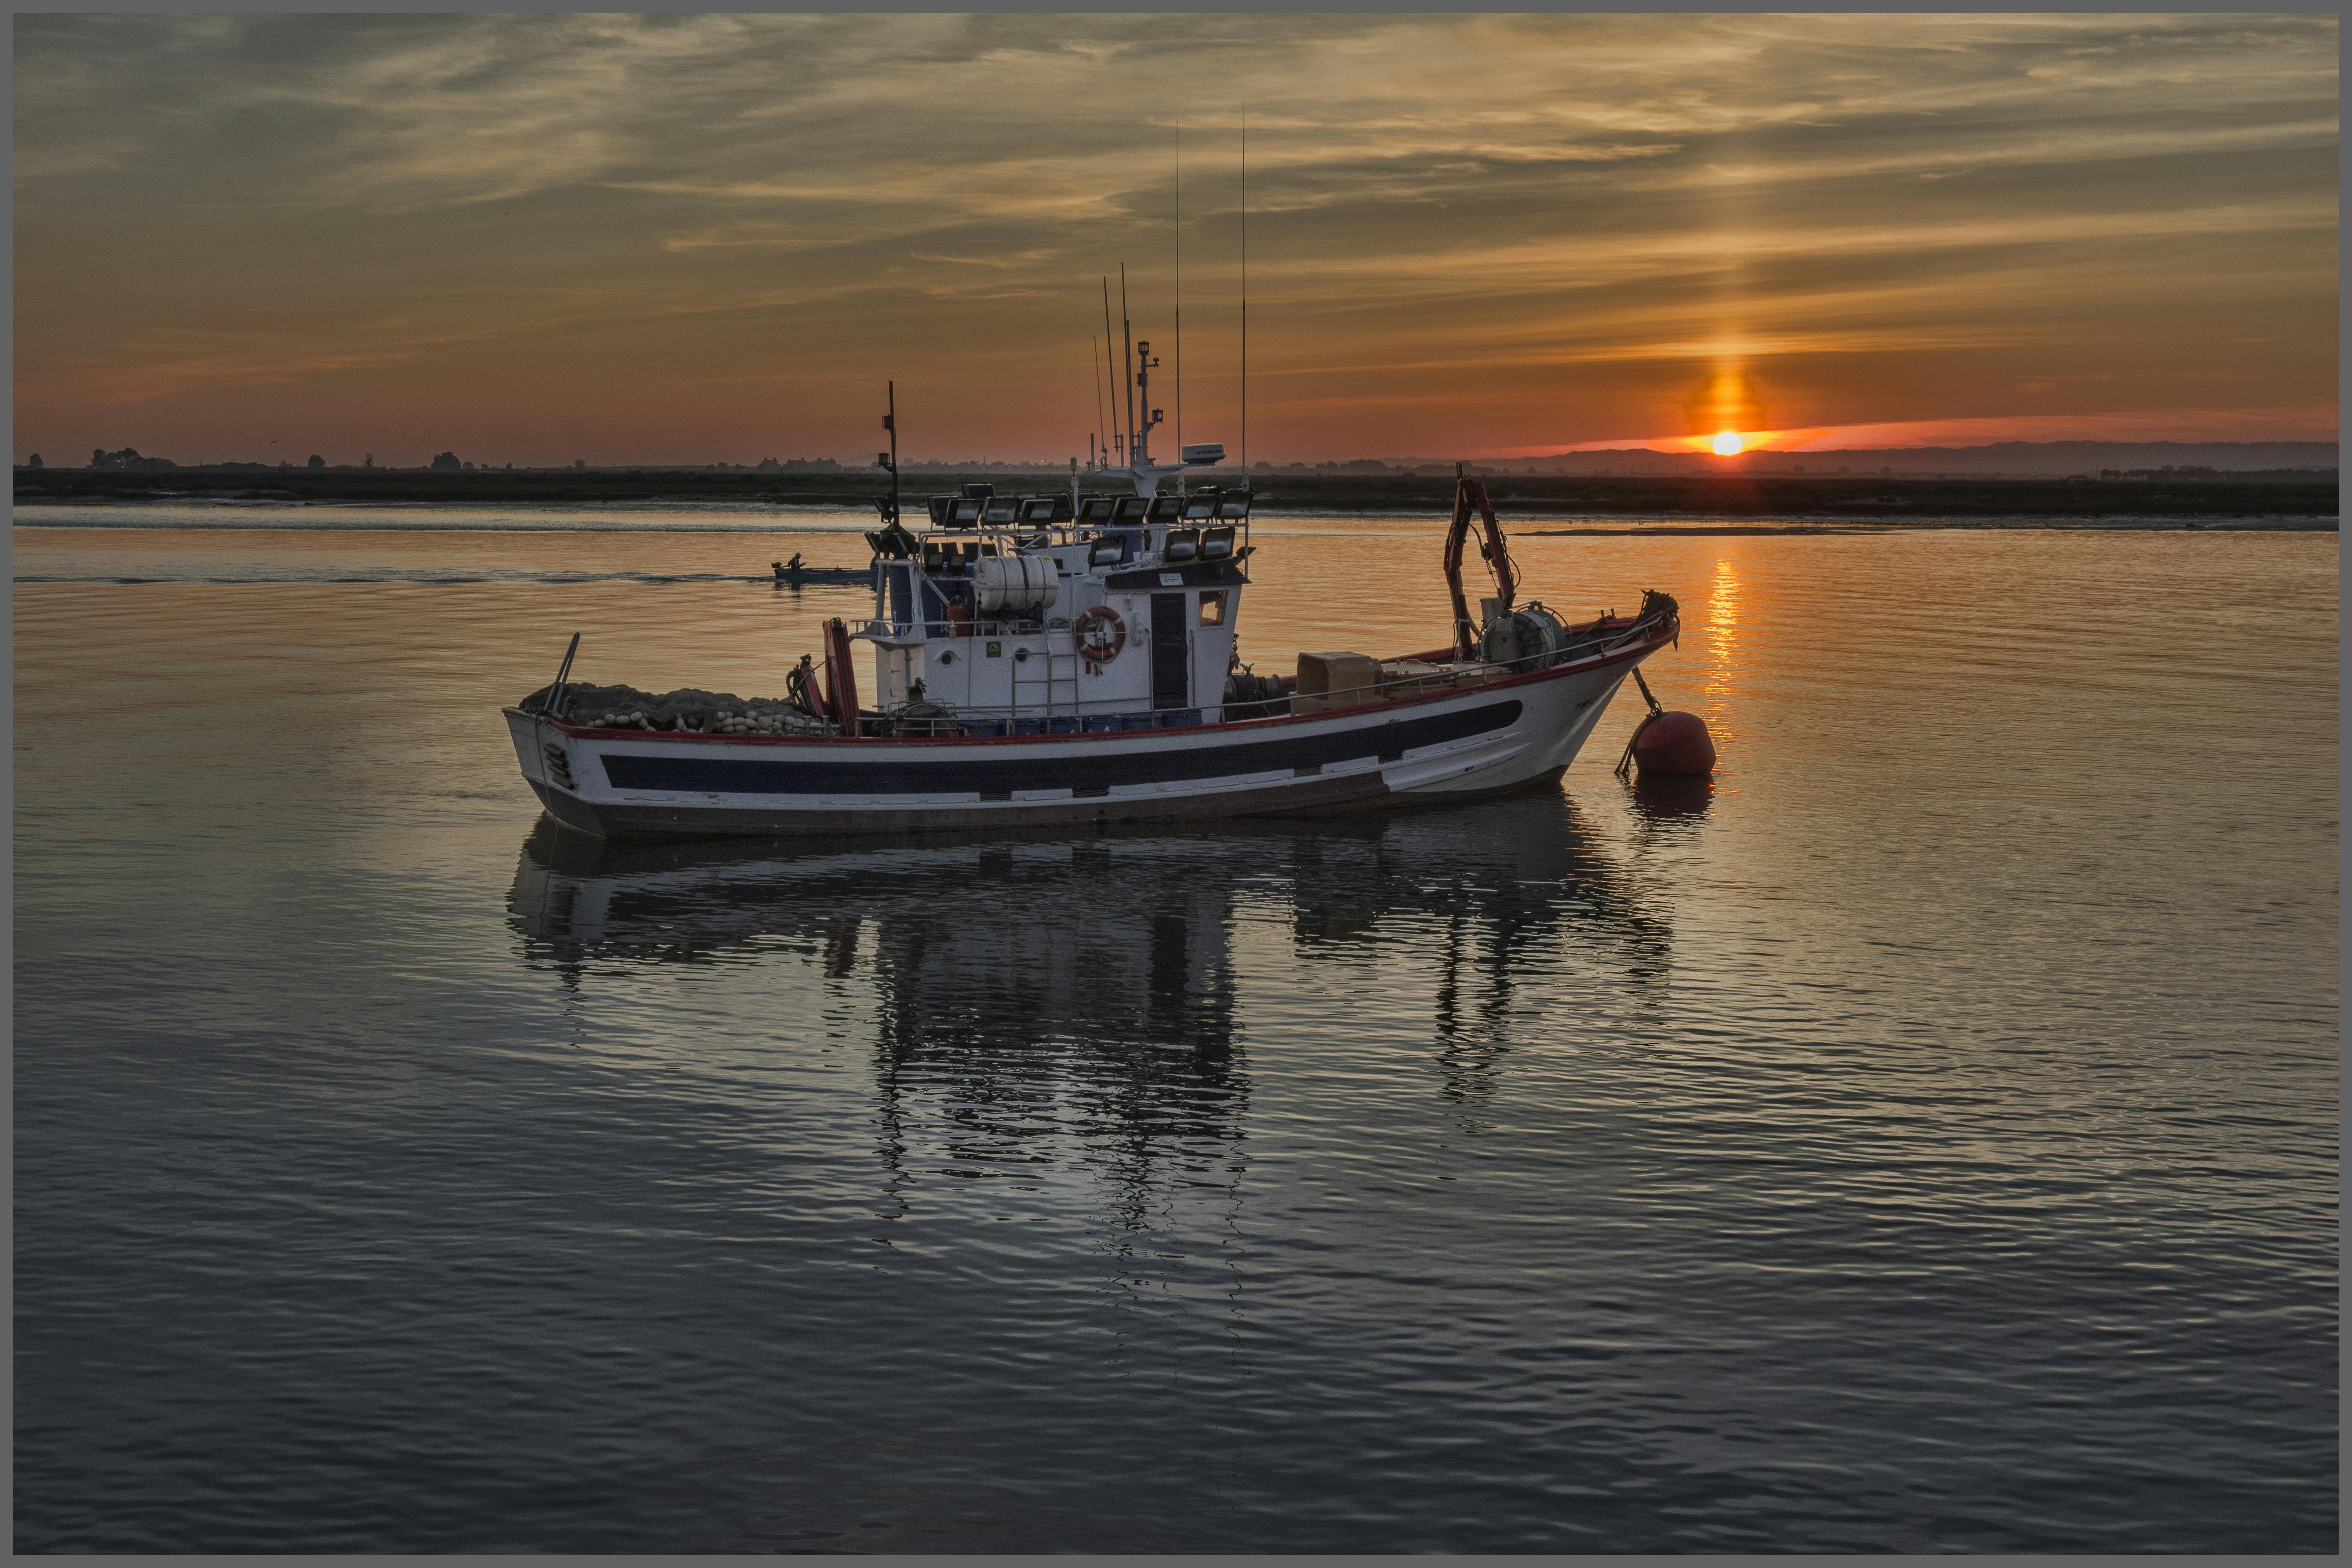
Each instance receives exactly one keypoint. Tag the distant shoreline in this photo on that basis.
(1826, 500)
(1633, 528)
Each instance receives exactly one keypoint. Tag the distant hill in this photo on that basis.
(2023, 458)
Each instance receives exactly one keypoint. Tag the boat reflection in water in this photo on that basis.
(1094, 983)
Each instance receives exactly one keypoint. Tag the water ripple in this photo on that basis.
(1923, 1138)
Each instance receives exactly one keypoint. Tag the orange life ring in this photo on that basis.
(1099, 634)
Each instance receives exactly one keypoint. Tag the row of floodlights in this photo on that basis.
(969, 510)
(1181, 545)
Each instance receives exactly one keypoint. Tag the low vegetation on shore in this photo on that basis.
(1536, 497)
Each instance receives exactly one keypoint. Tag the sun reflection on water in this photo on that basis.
(1722, 632)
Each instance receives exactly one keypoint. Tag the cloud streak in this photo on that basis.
(1471, 233)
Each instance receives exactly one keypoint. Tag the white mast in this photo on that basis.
(1180, 297)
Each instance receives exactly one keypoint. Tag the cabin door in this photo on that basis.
(1171, 663)
(902, 595)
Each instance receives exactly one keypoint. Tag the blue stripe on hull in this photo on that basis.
(1076, 765)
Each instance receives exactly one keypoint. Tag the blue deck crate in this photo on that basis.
(1135, 721)
(1028, 726)
(1178, 718)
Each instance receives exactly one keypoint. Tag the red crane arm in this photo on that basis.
(1469, 493)
(840, 679)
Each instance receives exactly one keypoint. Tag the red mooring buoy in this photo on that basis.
(1667, 745)
(1675, 744)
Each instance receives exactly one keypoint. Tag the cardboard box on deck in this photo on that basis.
(1333, 680)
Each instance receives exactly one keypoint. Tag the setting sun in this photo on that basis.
(1726, 445)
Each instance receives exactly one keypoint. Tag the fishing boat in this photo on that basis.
(1070, 659)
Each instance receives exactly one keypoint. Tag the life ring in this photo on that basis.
(1099, 634)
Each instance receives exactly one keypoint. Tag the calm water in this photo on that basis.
(1924, 1139)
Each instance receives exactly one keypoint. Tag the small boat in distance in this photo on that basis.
(792, 574)
(1069, 660)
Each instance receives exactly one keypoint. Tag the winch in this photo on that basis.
(1526, 637)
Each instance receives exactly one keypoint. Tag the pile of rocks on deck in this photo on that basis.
(689, 710)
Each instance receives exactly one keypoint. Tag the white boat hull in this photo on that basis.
(1508, 734)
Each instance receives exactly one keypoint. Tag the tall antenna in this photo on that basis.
(1099, 402)
(1127, 331)
(1114, 368)
(1180, 300)
(890, 422)
(1246, 468)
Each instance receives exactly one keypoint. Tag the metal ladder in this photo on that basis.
(1044, 690)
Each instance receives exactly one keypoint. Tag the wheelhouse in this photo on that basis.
(1058, 613)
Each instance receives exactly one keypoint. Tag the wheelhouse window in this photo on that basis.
(1212, 609)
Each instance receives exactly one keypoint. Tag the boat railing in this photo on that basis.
(883, 629)
(1439, 677)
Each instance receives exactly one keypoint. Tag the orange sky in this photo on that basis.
(711, 238)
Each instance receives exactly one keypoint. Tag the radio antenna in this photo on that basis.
(1114, 368)
(1098, 402)
(1126, 336)
(890, 422)
(1180, 300)
(1246, 468)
